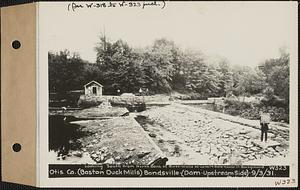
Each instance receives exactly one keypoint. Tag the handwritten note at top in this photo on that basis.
(110, 4)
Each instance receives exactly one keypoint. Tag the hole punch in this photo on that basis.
(16, 44)
(17, 147)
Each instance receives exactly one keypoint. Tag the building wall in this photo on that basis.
(89, 90)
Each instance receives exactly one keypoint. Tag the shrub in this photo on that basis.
(88, 103)
(141, 107)
(237, 104)
(276, 107)
(235, 107)
(192, 96)
(274, 101)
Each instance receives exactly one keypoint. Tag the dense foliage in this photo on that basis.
(164, 67)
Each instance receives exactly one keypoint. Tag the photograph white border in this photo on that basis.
(42, 141)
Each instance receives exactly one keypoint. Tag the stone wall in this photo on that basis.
(90, 101)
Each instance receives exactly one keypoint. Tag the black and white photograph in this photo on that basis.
(170, 83)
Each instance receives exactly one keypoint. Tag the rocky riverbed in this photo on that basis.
(193, 136)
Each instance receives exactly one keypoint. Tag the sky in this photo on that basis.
(245, 33)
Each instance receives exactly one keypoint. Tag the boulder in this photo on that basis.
(130, 149)
(110, 161)
(103, 149)
(77, 154)
(143, 153)
(152, 135)
(94, 156)
(128, 157)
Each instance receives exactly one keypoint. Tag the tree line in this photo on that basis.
(164, 67)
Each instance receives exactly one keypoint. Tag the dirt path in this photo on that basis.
(189, 137)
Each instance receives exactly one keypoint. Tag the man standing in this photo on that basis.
(265, 119)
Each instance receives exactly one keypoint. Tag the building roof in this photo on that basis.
(94, 83)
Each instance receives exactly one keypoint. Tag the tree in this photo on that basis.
(120, 65)
(65, 71)
(226, 78)
(204, 79)
(161, 63)
(277, 73)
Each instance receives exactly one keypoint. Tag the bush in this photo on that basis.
(275, 106)
(277, 114)
(64, 99)
(192, 96)
(238, 104)
(141, 107)
(82, 103)
(274, 101)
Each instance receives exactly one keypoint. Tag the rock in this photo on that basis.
(110, 161)
(143, 153)
(130, 149)
(223, 160)
(251, 157)
(279, 149)
(254, 148)
(152, 135)
(104, 149)
(244, 155)
(95, 141)
(246, 136)
(84, 149)
(77, 153)
(219, 153)
(118, 158)
(94, 156)
(128, 157)
(276, 153)
(97, 159)
(279, 139)
(205, 150)
(102, 157)
(90, 146)
(226, 149)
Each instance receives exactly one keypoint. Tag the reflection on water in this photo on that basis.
(64, 136)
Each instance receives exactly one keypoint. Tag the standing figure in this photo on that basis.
(265, 119)
(176, 150)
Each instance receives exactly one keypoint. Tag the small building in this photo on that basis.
(93, 88)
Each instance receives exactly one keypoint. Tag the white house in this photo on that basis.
(93, 88)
